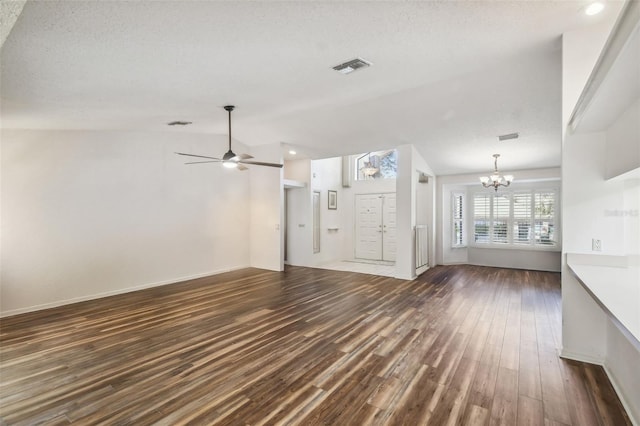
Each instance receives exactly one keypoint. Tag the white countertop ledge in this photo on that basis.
(614, 281)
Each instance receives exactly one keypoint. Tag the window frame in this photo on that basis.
(511, 243)
(355, 159)
(462, 220)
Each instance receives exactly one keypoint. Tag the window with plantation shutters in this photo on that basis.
(501, 216)
(457, 220)
(544, 218)
(517, 219)
(481, 218)
(522, 218)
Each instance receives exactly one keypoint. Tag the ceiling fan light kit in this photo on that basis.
(230, 159)
(496, 180)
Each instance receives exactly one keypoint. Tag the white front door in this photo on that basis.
(389, 227)
(376, 227)
(369, 226)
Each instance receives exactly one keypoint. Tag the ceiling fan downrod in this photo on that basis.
(229, 155)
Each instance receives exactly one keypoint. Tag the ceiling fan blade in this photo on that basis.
(260, 163)
(199, 156)
(242, 168)
(202, 162)
(244, 156)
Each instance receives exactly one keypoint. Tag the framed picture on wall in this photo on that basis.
(333, 200)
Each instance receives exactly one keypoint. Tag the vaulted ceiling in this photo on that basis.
(448, 77)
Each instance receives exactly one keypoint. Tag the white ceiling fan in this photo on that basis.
(230, 159)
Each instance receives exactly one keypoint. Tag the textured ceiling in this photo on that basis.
(448, 77)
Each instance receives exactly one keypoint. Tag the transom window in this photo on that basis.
(377, 165)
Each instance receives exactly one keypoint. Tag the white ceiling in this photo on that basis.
(448, 77)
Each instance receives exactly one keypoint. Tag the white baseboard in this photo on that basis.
(621, 395)
(422, 270)
(581, 357)
(612, 378)
(114, 292)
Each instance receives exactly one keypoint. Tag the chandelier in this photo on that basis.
(496, 180)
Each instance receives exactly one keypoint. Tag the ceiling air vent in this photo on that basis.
(509, 136)
(351, 66)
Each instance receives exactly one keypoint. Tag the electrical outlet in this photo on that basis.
(596, 245)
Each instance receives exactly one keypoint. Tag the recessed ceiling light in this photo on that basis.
(292, 152)
(594, 8)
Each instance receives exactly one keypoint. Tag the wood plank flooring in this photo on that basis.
(461, 345)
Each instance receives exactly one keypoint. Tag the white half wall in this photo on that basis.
(535, 260)
(87, 214)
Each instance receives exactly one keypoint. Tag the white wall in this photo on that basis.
(409, 163)
(88, 213)
(339, 245)
(266, 236)
(623, 142)
(299, 221)
(500, 257)
(326, 175)
(536, 260)
(588, 197)
(323, 175)
(298, 170)
(589, 200)
(580, 51)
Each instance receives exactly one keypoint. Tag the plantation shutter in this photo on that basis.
(522, 218)
(501, 213)
(458, 221)
(481, 218)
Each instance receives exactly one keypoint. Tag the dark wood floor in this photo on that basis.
(460, 345)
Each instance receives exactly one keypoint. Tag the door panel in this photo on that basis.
(389, 227)
(368, 227)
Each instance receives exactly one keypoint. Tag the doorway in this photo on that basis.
(376, 227)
